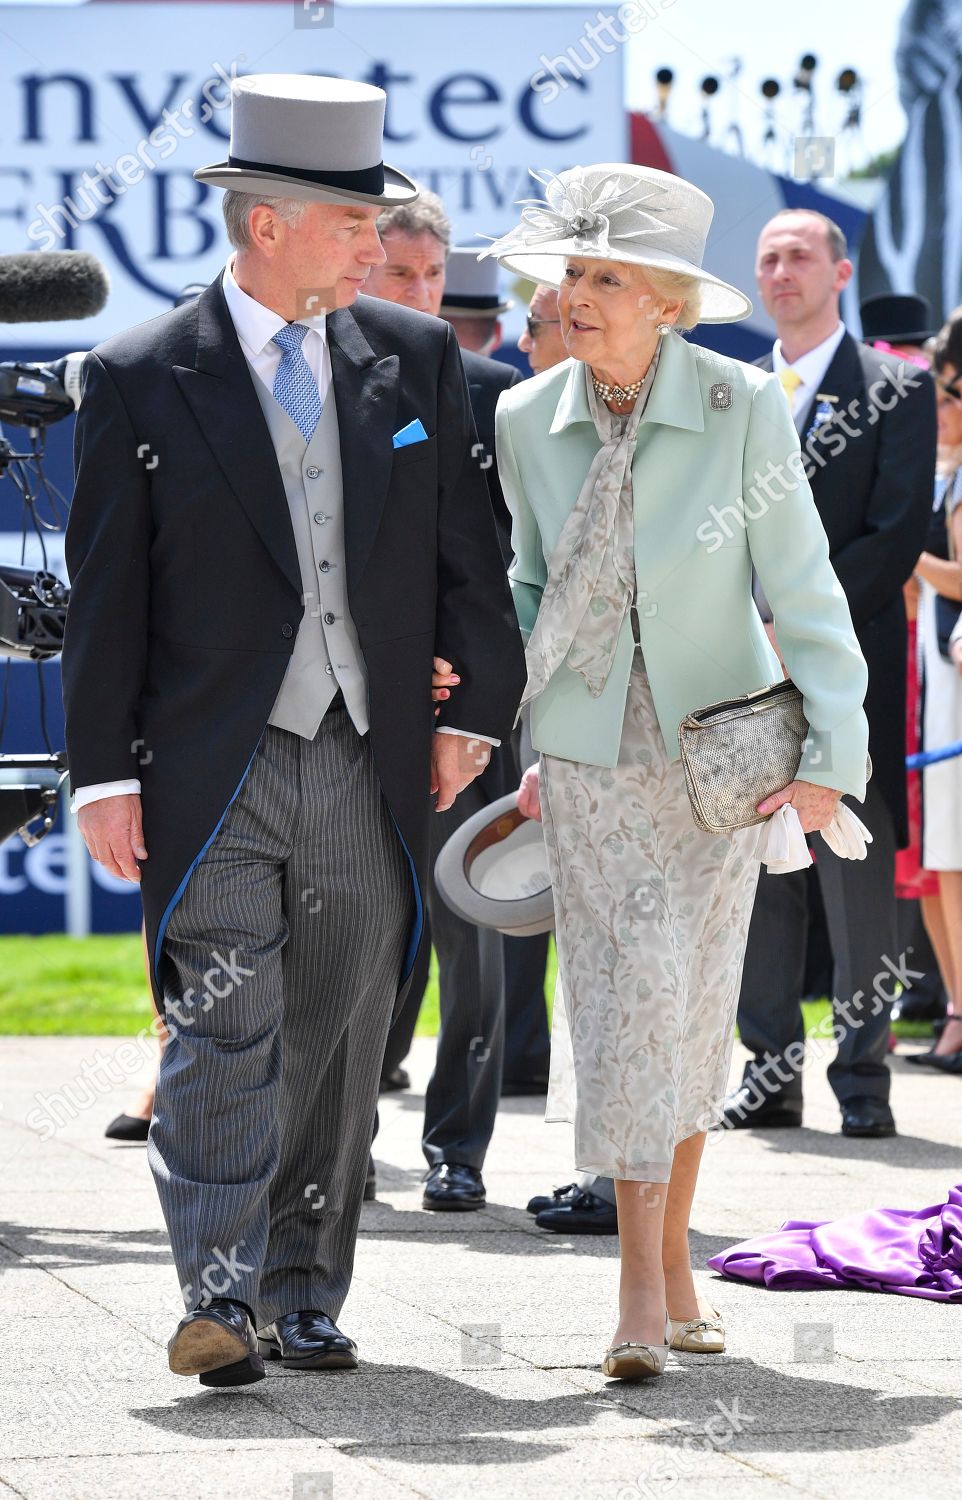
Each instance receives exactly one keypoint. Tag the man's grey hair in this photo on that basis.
(237, 212)
(426, 213)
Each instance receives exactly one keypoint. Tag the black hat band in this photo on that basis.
(367, 180)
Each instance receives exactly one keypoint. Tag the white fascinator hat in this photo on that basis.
(632, 214)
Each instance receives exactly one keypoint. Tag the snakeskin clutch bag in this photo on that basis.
(737, 752)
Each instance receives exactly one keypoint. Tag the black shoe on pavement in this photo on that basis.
(217, 1343)
(393, 1082)
(308, 1341)
(558, 1196)
(127, 1128)
(863, 1116)
(585, 1213)
(743, 1110)
(451, 1185)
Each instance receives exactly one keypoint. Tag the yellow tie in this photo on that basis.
(790, 382)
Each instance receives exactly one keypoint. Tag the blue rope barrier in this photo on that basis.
(930, 757)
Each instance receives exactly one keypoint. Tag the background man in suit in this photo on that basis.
(462, 1097)
(259, 752)
(867, 427)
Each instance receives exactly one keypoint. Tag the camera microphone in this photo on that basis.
(42, 286)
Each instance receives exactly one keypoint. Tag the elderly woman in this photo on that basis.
(646, 476)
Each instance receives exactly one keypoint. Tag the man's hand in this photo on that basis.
(815, 805)
(113, 831)
(443, 678)
(455, 761)
(529, 798)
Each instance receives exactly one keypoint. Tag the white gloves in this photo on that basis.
(781, 842)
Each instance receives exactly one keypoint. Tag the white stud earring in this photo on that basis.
(662, 329)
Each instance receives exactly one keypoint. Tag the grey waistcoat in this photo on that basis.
(327, 654)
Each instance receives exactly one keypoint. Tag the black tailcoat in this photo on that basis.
(873, 488)
(487, 378)
(186, 590)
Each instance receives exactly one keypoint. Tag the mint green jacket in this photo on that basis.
(717, 488)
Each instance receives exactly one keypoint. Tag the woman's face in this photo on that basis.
(609, 313)
(948, 405)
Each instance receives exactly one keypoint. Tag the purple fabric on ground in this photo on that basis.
(915, 1253)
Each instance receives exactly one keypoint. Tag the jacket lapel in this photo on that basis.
(221, 395)
(367, 396)
(842, 379)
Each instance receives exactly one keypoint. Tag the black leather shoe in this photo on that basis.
(867, 1117)
(946, 1062)
(308, 1341)
(541, 1201)
(127, 1128)
(218, 1343)
(393, 1082)
(585, 1213)
(450, 1185)
(743, 1110)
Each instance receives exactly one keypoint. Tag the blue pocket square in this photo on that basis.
(413, 433)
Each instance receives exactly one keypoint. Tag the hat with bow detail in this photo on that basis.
(636, 215)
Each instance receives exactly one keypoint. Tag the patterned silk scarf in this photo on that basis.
(591, 575)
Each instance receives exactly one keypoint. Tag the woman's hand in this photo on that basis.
(529, 797)
(443, 678)
(815, 805)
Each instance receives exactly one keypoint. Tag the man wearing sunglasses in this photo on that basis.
(543, 339)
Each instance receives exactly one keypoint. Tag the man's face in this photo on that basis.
(327, 255)
(797, 277)
(413, 272)
(545, 347)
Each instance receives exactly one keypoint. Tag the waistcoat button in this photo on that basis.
(329, 619)
(325, 566)
(313, 471)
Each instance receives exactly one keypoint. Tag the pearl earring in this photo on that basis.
(662, 329)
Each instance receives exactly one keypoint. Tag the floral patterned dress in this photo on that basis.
(651, 922)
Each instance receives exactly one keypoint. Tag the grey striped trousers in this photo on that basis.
(288, 944)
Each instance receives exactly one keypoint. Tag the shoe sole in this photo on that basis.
(205, 1348)
(871, 1133)
(307, 1361)
(452, 1207)
(578, 1228)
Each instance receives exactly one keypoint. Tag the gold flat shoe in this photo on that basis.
(629, 1361)
(698, 1335)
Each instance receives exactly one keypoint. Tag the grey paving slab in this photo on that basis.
(480, 1336)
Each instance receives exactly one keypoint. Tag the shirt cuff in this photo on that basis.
(100, 789)
(468, 735)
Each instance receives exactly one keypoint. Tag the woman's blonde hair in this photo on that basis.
(671, 285)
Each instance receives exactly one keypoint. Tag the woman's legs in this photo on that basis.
(682, 1297)
(942, 915)
(641, 1299)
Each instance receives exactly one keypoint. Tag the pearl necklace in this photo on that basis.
(617, 393)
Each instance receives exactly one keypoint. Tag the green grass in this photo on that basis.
(61, 986)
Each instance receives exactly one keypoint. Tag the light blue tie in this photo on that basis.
(295, 388)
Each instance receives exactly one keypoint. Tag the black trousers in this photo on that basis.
(860, 910)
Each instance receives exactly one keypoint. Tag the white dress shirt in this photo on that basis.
(812, 369)
(256, 326)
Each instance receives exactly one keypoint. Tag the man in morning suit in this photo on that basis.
(866, 422)
(277, 522)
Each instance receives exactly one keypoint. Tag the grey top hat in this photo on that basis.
(471, 286)
(493, 871)
(296, 136)
(619, 211)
